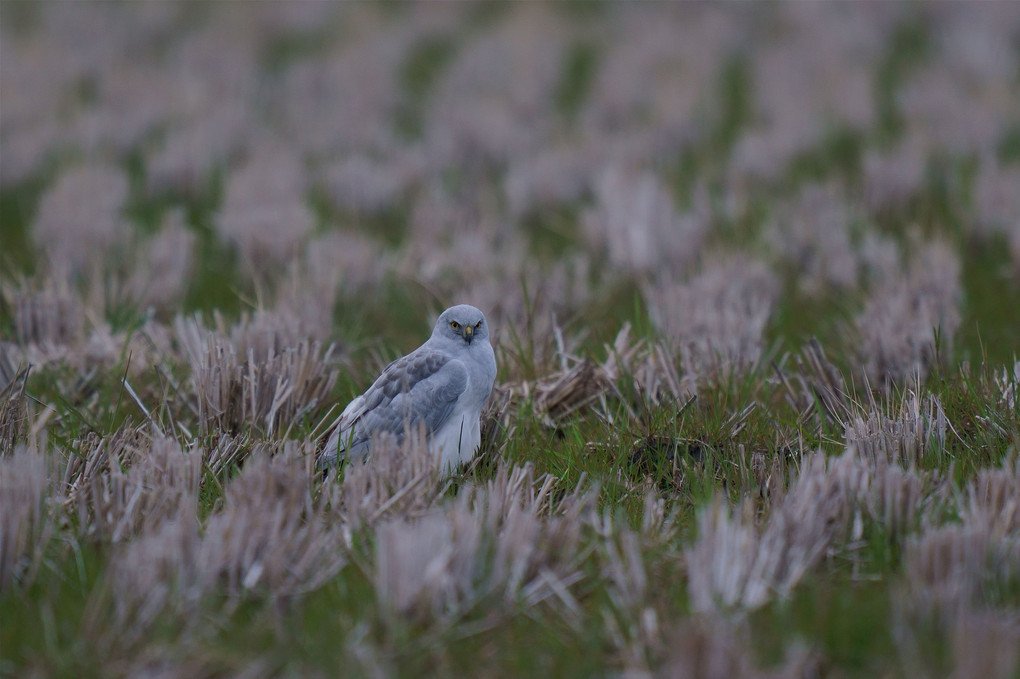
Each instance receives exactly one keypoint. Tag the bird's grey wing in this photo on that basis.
(341, 428)
(420, 388)
(429, 400)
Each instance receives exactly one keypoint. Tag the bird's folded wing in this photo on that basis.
(420, 388)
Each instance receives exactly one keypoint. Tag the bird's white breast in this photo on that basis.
(458, 439)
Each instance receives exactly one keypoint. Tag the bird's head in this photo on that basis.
(462, 322)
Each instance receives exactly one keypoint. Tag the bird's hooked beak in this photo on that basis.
(469, 333)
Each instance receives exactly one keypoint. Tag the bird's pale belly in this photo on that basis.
(456, 442)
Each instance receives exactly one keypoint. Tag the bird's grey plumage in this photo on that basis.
(442, 385)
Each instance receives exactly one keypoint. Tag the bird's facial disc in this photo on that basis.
(462, 322)
(466, 330)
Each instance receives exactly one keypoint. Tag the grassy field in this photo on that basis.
(753, 275)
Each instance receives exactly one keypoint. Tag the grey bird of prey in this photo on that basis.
(443, 385)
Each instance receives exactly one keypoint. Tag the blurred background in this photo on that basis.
(770, 170)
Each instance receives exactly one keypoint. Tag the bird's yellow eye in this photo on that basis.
(454, 324)
(479, 324)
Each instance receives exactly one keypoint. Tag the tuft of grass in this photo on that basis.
(17, 210)
(579, 69)
(906, 49)
(988, 331)
(421, 69)
(735, 103)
